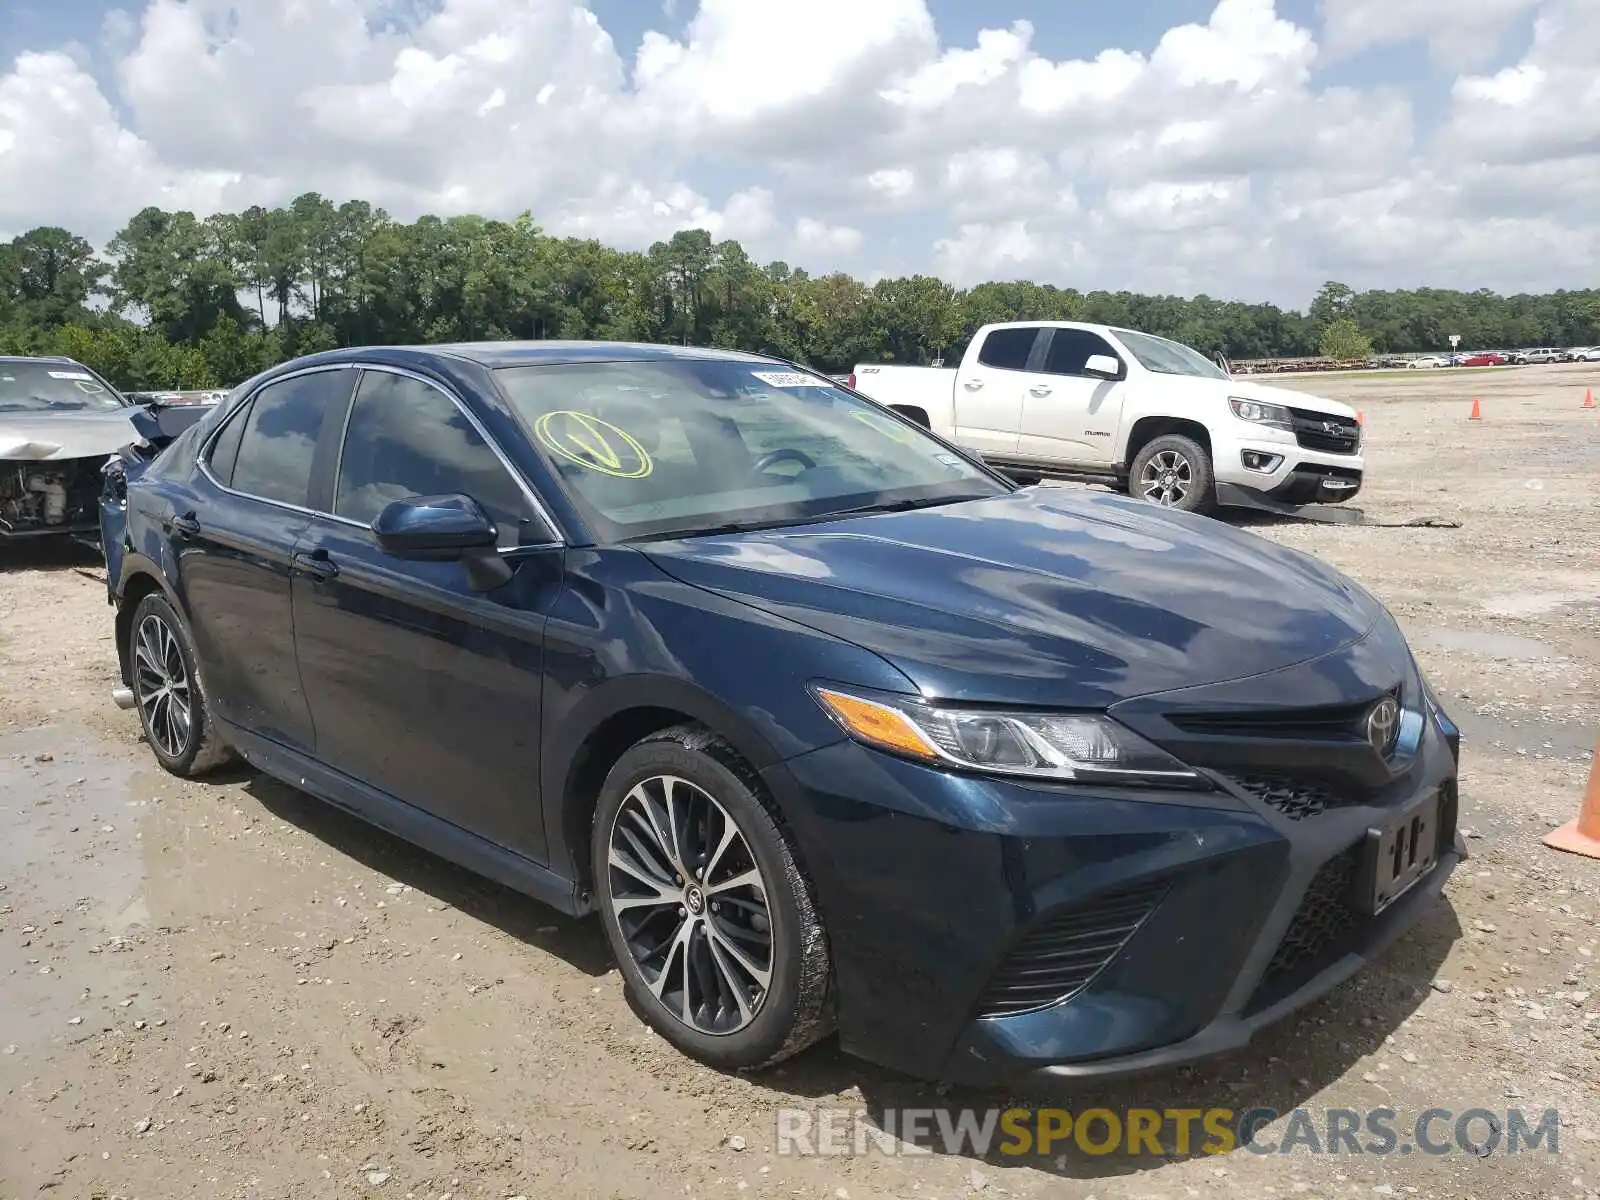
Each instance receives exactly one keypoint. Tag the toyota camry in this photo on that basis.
(832, 727)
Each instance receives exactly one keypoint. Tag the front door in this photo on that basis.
(419, 684)
(1069, 416)
(234, 546)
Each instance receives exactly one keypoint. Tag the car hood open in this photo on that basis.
(38, 436)
(1045, 596)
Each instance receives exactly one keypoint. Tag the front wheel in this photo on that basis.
(706, 909)
(1175, 472)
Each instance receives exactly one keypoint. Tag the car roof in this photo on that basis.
(553, 353)
(55, 358)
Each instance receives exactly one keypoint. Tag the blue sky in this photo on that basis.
(1246, 148)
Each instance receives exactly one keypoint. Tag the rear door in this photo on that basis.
(234, 548)
(1068, 416)
(420, 685)
(989, 390)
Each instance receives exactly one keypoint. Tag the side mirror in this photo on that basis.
(434, 528)
(1102, 365)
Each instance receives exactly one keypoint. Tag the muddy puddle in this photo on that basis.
(71, 869)
(1510, 647)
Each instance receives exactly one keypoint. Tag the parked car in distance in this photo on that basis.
(1484, 359)
(1536, 357)
(59, 420)
(1150, 416)
(1583, 354)
(1428, 361)
(831, 725)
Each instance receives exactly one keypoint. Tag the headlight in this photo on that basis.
(1085, 747)
(1274, 416)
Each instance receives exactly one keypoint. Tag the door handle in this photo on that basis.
(1039, 389)
(315, 565)
(185, 526)
(973, 385)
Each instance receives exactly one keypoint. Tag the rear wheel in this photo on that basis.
(1175, 472)
(709, 916)
(167, 691)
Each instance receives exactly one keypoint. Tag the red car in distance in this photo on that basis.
(1485, 360)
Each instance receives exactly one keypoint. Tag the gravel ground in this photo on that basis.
(225, 989)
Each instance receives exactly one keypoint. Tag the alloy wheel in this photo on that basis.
(1166, 478)
(161, 686)
(691, 903)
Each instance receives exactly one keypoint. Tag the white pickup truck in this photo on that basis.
(1150, 416)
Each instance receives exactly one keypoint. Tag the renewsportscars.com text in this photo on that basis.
(1164, 1132)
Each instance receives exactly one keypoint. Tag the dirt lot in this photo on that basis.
(227, 990)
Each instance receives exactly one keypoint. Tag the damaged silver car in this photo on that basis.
(59, 421)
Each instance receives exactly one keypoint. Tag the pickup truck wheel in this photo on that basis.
(1175, 472)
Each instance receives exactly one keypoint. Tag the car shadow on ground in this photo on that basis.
(1287, 1066)
(578, 942)
(51, 554)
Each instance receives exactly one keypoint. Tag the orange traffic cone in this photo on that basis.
(1581, 835)
(1477, 413)
(1588, 398)
(1361, 417)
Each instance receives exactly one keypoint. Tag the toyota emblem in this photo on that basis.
(1383, 725)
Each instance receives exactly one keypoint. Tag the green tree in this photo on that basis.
(1343, 339)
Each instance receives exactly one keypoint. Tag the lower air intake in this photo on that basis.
(1067, 949)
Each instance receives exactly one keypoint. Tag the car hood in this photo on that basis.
(60, 435)
(1045, 596)
(1288, 397)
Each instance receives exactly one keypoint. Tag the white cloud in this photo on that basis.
(843, 134)
(1460, 33)
(814, 236)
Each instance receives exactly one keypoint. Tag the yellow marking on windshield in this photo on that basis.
(597, 445)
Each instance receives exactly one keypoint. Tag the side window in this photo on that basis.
(225, 450)
(1071, 348)
(1008, 349)
(278, 438)
(407, 438)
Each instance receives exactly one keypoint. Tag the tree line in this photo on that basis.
(176, 300)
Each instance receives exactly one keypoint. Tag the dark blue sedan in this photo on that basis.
(834, 727)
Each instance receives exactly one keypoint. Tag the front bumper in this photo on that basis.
(929, 882)
(1299, 475)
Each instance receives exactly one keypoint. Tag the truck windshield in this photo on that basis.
(1168, 358)
(39, 386)
(657, 448)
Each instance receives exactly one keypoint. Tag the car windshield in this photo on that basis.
(53, 387)
(649, 449)
(1168, 358)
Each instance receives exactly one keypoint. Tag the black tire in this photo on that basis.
(796, 1008)
(186, 750)
(1193, 471)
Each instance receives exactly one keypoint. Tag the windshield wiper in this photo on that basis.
(897, 506)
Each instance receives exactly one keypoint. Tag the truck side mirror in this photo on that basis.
(1102, 365)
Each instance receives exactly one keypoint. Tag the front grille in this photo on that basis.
(1063, 954)
(1296, 799)
(1319, 431)
(1329, 723)
(1321, 928)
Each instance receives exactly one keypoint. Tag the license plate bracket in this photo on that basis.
(1398, 856)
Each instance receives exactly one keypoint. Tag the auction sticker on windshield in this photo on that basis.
(71, 375)
(788, 379)
(585, 439)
